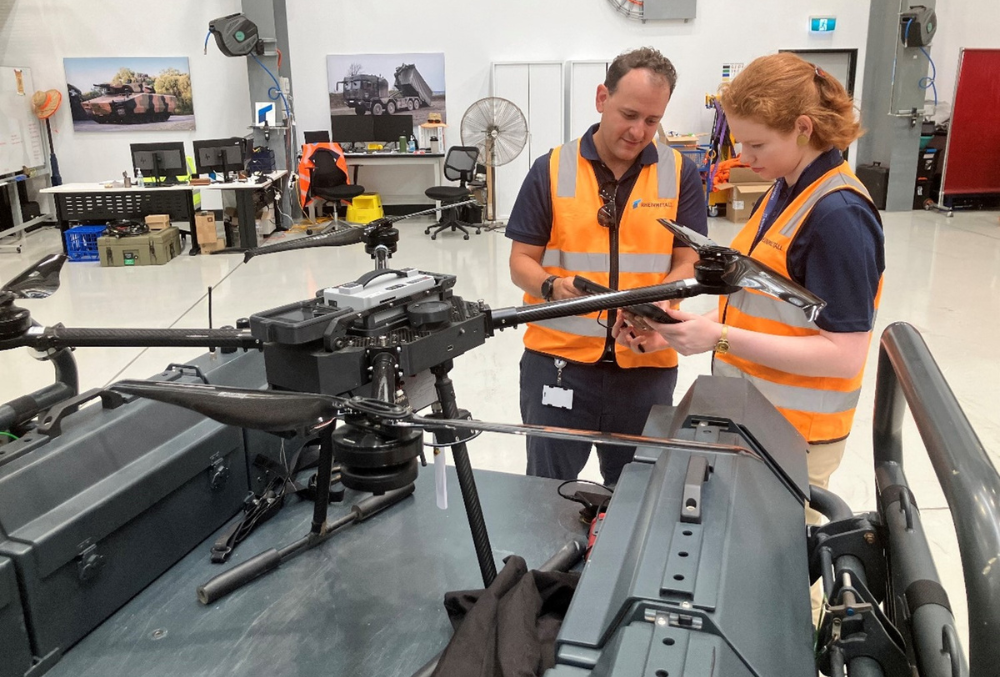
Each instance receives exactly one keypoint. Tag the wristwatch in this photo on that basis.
(722, 345)
(548, 287)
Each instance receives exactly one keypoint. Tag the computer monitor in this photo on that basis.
(352, 128)
(162, 161)
(390, 127)
(321, 136)
(221, 156)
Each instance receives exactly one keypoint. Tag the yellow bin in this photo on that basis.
(365, 208)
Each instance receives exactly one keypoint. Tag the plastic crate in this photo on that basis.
(699, 155)
(81, 243)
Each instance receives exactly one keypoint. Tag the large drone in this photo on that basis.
(372, 338)
(354, 366)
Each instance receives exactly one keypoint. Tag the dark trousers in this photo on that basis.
(606, 398)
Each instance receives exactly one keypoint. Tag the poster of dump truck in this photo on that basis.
(117, 94)
(387, 84)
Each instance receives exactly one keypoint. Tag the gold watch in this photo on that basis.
(722, 345)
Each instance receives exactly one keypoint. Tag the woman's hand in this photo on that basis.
(692, 335)
(627, 332)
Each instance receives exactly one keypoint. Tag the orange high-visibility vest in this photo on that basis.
(578, 245)
(306, 166)
(821, 408)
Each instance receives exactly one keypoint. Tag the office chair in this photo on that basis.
(459, 165)
(329, 182)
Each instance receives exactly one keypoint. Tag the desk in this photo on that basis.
(13, 223)
(366, 602)
(245, 212)
(434, 161)
(93, 202)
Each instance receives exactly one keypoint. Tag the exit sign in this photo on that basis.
(822, 24)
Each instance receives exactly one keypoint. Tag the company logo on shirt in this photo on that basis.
(654, 205)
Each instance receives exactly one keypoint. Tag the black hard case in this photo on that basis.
(96, 510)
(875, 177)
(15, 651)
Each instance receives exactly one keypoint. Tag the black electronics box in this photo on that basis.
(876, 180)
(110, 496)
(15, 651)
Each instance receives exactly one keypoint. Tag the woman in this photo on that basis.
(817, 226)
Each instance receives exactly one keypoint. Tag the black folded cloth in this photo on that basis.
(510, 628)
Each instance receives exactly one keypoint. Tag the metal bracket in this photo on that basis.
(51, 421)
(188, 369)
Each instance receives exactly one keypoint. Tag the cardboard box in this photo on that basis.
(209, 247)
(744, 188)
(155, 248)
(158, 221)
(205, 226)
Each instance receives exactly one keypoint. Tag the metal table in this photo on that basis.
(77, 202)
(366, 602)
(243, 194)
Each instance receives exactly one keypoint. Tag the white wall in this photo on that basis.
(963, 23)
(40, 33)
(472, 35)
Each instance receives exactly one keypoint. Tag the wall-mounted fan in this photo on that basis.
(499, 129)
(656, 10)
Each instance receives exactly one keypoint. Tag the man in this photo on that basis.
(590, 208)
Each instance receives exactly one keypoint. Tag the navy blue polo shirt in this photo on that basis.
(838, 253)
(530, 220)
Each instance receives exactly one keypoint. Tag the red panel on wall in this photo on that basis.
(973, 159)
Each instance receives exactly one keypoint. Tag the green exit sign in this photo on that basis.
(822, 24)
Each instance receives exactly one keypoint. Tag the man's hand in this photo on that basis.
(563, 289)
(626, 332)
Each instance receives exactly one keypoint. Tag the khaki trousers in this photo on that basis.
(823, 459)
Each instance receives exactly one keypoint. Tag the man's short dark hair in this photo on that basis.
(644, 57)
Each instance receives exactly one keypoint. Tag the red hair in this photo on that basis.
(775, 90)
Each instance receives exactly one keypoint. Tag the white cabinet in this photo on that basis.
(536, 88)
(581, 106)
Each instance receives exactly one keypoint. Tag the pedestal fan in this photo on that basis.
(498, 128)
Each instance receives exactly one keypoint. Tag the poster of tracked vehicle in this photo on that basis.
(121, 94)
(387, 84)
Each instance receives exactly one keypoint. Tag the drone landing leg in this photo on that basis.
(470, 495)
(271, 559)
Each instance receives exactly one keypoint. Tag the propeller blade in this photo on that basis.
(39, 281)
(752, 274)
(267, 410)
(337, 238)
(689, 237)
(556, 433)
(749, 273)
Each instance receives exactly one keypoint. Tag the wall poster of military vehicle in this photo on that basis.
(387, 84)
(120, 94)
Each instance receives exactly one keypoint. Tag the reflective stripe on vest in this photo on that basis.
(820, 408)
(579, 245)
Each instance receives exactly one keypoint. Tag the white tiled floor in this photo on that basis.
(943, 277)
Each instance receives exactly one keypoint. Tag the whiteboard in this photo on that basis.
(20, 131)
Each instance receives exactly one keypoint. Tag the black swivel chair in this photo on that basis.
(329, 182)
(459, 165)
